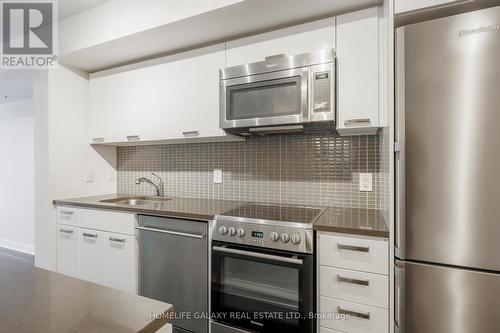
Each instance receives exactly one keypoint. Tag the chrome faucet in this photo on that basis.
(157, 186)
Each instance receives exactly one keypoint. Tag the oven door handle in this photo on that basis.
(295, 261)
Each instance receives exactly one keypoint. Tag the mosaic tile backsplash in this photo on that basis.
(308, 169)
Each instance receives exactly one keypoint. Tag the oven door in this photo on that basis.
(262, 290)
(277, 98)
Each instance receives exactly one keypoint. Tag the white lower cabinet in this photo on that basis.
(353, 317)
(91, 262)
(104, 257)
(121, 268)
(353, 283)
(67, 250)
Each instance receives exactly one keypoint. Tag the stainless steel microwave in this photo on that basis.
(280, 94)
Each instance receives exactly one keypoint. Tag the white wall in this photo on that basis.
(17, 171)
(63, 154)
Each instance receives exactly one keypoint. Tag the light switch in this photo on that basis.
(90, 176)
(217, 176)
(365, 182)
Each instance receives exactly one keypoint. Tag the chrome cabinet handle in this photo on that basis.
(168, 232)
(133, 137)
(351, 122)
(85, 234)
(353, 281)
(258, 255)
(353, 313)
(98, 140)
(117, 240)
(191, 133)
(66, 231)
(66, 212)
(353, 248)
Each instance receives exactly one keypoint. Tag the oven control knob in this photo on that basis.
(284, 238)
(296, 239)
(223, 230)
(232, 231)
(240, 232)
(275, 237)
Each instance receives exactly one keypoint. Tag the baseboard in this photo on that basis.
(18, 247)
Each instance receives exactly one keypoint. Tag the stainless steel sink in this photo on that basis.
(137, 201)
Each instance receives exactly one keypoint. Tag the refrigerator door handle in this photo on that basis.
(399, 297)
(399, 156)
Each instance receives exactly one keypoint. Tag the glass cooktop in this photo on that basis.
(297, 214)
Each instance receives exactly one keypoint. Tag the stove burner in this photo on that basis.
(296, 214)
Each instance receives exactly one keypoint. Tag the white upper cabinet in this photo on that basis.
(137, 97)
(358, 72)
(304, 38)
(99, 109)
(192, 94)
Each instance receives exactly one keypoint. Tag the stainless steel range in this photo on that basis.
(288, 228)
(263, 269)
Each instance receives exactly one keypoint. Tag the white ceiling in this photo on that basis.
(72, 7)
(16, 85)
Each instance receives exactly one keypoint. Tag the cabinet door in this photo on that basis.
(192, 93)
(121, 262)
(304, 38)
(358, 72)
(67, 250)
(99, 109)
(137, 104)
(92, 261)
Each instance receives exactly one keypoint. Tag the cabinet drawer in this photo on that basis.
(358, 318)
(361, 254)
(68, 215)
(353, 286)
(123, 223)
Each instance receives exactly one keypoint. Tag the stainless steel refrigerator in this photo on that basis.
(447, 277)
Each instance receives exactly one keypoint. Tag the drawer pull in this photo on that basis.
(85, 234)
(98, 140)
(66, 231)
(353, 248)
(66, 212)
(117, 240)
(352, 122)
(353, 281)
(191, 133)
(353, 313)
(133, 137)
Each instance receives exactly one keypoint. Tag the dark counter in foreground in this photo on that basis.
(36, 300)
(356, 221)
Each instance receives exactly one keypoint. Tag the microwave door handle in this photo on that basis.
(289, 260)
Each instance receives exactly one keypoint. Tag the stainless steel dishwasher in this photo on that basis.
(173, 267)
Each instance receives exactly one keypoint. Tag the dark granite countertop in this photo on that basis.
(36, 300)
(357, 221)
(190, 208)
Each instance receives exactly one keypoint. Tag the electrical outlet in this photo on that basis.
(90, 176)
(365, 182)
(217, 176)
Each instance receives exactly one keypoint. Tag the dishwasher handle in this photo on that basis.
(175, 233)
